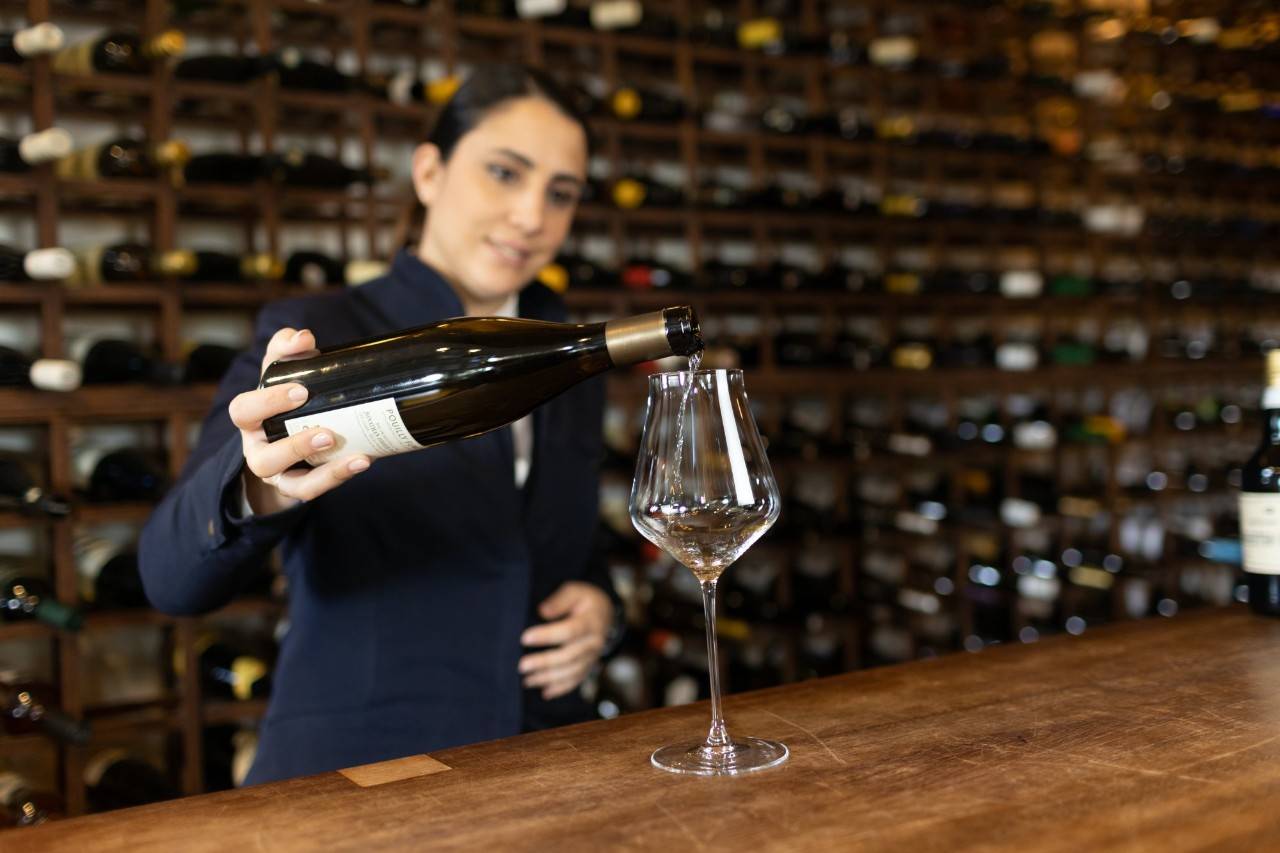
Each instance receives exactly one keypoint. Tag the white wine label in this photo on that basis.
(1260, 532)
(375, 429)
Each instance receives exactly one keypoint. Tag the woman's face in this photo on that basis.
(503, 203)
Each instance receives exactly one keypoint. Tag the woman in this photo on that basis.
(425, 590)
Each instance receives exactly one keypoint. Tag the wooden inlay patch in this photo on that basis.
(396, 770)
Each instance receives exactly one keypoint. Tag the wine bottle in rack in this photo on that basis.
(122, 158)
(1260, 503)
(120, 263)
(227, 671)
(208, 363)
(297, 72)
(105, 361)
(633, 192)
(631, 103)
(19, 491)
(124, 474)
(313, 270)
(23, 597)
(42, 146)
(304, 169)
(114, 779)
(22, 804)
(202, 265)
(30, 706)
(651, 275)
(220, 68)
(119, 53)
(406, 88)
(108, 573)
(36, 265)
(37, 40)
(582, 274)
(45, 374)
(226, 167)
(525, 362)
(229, 751)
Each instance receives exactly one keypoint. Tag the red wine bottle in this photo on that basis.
(25, 598)
(461, 377)
(1260, 503)
(115, 780)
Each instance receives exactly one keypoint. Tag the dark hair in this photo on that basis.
(487, 87)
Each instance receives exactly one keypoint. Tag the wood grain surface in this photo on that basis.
(1155, 735)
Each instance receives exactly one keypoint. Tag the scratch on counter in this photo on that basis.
(680, 823)
(1263, 742)
(820, 741)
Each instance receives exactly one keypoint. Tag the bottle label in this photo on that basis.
(1260, 532)
(374, 428)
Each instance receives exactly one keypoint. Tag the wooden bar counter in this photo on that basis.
(1159, 735)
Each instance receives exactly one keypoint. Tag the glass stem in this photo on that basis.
(718, 736)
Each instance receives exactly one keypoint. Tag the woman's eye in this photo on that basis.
(502, 174)
(563, 198)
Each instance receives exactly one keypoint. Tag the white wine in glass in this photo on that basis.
(704, 492)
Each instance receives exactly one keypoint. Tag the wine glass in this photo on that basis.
(704, 493)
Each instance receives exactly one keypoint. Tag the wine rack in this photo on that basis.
(1047, 196)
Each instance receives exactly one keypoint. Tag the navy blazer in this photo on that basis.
(409, 585)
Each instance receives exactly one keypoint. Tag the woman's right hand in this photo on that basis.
(269, 484)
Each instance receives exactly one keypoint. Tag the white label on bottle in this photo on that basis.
(374, 429)
(1260, 532)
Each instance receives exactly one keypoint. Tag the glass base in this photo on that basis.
(742, 755)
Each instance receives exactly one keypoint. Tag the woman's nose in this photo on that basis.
(527, 211)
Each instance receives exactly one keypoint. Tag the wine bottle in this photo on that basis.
(30, 707)
(1260, 503)
(46, 374)
(208, 363)
(302, 169)
(22, 805)
(115, 780)
(633, 192)
(108, 573)
(23, 597)
(406, 89)
(19, 492)
(43, 146)
(228, 672)
(229, 751)
(313, 270)
(127, 262)
(37, 40)
(650, 275)
(126, 474)
(36, 265)
(633, 104)
(297, 72)
(113, 360)
(122, 158)
(226, 167)
(201, 265)
(461, 377)
(218, 68)
(118, 53)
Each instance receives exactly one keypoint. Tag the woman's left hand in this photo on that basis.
(579, 616)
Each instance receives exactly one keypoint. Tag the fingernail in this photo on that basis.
(357, 465)
(524, 639)
(322, 440)
(298, 393)
(297, 336)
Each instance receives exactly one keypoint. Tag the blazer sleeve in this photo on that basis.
(195, 552)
